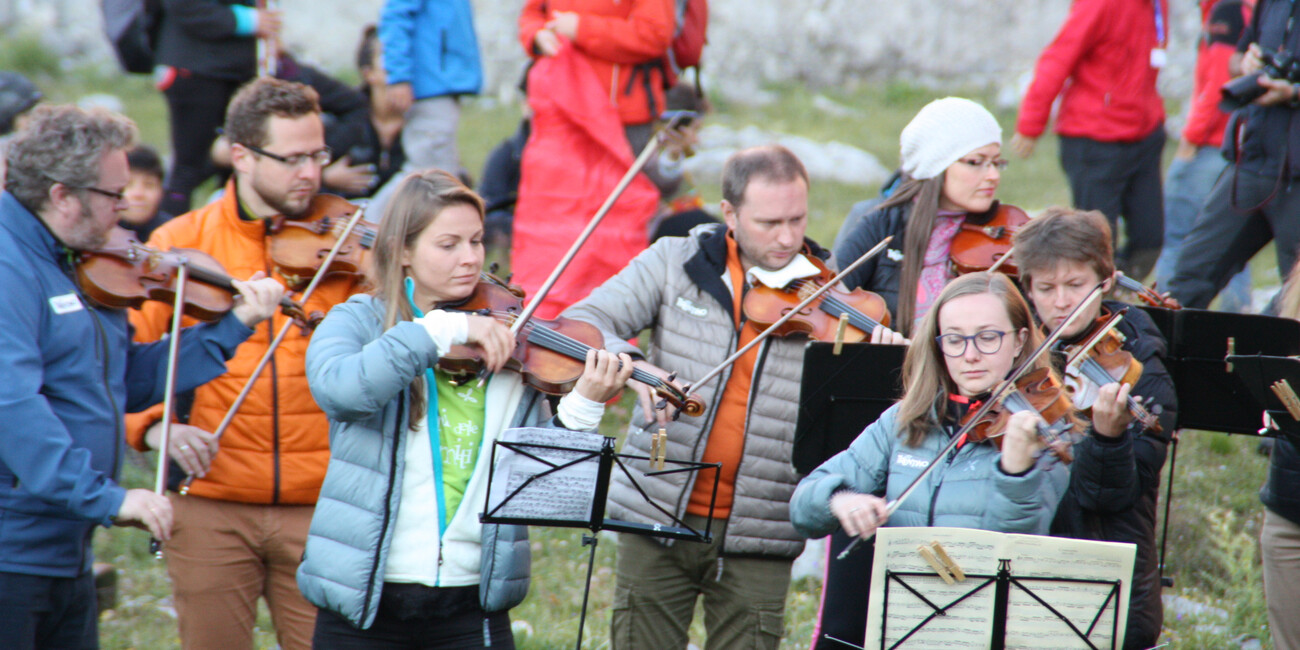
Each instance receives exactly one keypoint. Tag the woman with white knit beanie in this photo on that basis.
(950, 167)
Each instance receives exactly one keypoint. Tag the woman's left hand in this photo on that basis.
(604, 377)
(1022, 444)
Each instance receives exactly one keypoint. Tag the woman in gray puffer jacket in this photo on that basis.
(977, 331)
(396, 549)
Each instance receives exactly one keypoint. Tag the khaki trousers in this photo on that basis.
(1279, 540)
(657, 587)
(223, 556)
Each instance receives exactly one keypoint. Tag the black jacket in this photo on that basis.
(199, 36)
(1115, 482)
(1270, 135)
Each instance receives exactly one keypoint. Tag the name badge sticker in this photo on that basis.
(1159, 58)
(66, 303)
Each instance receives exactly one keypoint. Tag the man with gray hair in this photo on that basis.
(688, 292)
(70, 372)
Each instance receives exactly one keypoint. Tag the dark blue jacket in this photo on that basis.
(431, 45)
(70, 372)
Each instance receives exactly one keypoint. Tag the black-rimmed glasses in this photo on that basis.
(321, 156)
(117, 197)
(986, 342)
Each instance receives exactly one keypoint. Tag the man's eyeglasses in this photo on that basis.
(117, 197)
(986, 342)
(985, 165)
(321, 156)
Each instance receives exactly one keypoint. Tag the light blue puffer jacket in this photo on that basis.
(360, 375)
(968, 490)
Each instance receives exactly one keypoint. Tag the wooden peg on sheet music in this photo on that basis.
(658, 448)
(839, 333)
(1232, 349)
(948, 562)
(935, 564)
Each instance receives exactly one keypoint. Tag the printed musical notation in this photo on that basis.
(969, 622)
(550, 490)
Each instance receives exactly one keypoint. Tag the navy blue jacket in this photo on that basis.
(70, 372)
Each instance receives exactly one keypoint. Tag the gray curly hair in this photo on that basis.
(62, 144)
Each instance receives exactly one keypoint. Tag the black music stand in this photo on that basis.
(1264, 376)
(542, 495)
(840, 395)
(1210, 396)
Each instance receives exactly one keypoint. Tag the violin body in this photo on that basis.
(978, 247)
(1103, 362)
(1039, 391)
(299, 247)
(764, 306)
(124, 274)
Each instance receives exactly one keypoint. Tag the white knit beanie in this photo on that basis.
(944, 131)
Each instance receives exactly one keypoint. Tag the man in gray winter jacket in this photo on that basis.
(687, 291)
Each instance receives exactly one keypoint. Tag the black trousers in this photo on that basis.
(415, 617)
(1228, 233)
(44, 612)
(197, 106)
(1121, 179)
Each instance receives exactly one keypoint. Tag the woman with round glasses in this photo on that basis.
(977, 331)
(951, 165)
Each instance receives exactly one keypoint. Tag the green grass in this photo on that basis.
(1213, 552)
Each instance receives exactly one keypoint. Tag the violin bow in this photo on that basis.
(790, 313)
(650, 148)
(997, 264)
(284, 331)
(995, 396)
(268, 56)
(173, 352)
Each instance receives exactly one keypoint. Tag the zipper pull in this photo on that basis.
(718, 578)
(487, 633)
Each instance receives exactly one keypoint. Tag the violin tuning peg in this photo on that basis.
(494, 267)
(661, 405)
(672, 376)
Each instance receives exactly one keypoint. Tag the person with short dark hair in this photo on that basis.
(1115, 478)
(70, 371)
(144, 193)
(689, 291)
(243, 524)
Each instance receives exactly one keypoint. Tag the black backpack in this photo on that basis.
(132, 29)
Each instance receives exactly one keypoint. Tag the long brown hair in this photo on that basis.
(925, 375)
(924, 198)
(415, 205)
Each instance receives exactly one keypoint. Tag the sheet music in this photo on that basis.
(969, 623)
(562, 495)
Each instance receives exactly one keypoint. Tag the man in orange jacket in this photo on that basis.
(240, 531)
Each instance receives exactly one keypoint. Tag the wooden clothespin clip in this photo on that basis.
(654, 448)
(934, 563)
(662, 448)
(948, 562)
(839, 333)
(1282, 388)
(1232, 349)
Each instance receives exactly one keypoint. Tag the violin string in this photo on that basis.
(1094, 371)
(856, 318)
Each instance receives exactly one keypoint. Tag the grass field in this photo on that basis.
(1215, 518)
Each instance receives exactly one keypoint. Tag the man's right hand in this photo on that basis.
(269, 23)
(146, 510)
(191, 447)
(547, 42)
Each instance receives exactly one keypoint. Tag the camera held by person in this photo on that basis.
(1243, 90)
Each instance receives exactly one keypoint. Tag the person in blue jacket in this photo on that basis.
(396, 556)
(71, 371)
(431, 58)
(978, 330)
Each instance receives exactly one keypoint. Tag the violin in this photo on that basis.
(764, 306)
(550, 354)
(1100, 360)
(125, 273)
(979, 247)
(299, 247)
(1147, 294)
(1037, 391)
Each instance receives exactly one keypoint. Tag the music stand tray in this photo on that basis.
(1272, 382)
